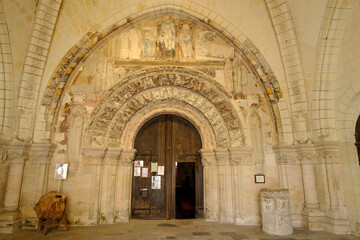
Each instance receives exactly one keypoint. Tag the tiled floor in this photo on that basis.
(173, 229)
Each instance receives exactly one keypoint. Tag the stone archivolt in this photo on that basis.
(162, 84)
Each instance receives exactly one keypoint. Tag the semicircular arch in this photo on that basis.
(255, 62)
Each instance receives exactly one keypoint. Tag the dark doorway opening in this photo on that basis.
(185, 190)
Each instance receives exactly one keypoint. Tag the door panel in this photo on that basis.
(165, 140)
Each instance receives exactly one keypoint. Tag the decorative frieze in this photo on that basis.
(285, 154)
(165, 83)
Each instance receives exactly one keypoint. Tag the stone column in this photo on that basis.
(211, 185)
(92, 159)
(17, 155)
(123, 185)
(36, 174)
(311, 214)
(238, 158)
(285, 155)
(225, 185)
(4, 168)
(108, 185)
(275, 212)
(336, 217)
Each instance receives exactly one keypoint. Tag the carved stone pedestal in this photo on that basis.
(275, 212)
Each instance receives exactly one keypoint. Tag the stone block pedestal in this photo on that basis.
(275, 212)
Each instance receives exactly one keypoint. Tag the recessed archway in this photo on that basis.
(167, 177)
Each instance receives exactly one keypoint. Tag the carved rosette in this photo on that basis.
(208, 157)
(275, 211)
(127, 156)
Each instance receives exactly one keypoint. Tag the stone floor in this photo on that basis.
(173, 229)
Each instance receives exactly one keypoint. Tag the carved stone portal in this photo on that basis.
(275, 212)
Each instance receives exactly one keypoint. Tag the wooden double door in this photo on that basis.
(167, 175)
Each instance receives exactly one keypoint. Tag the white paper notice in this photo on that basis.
(61, 171)
(156, 182)
(137, 171)
(161, 170)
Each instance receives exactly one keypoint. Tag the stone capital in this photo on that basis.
(208, 157)
(241, 156)
(222, 156)
(41, 153)
(328, 152)
(112, 156)
(285, 154)
(93, 155)
(127, 156)
(307, 154)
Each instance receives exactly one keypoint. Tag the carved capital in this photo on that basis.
(41, 153)
(112, 156)
(127, 156)
(208, 157)
(4, 157)
(241, 156)
(285, 154)
(328, 152)
(18, 153)
(222, 156)
(93, 155)
(307, 154)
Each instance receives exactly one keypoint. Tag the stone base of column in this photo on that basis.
(10, 221)
(357, 230)
(337, 226)
(336, 222)
(312, 218)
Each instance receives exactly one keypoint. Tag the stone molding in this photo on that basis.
(206, 131)
(127, 156)
(40, 154)
(307, 154)
(328, 45)
(165, 83)
(222, 156)
(241, 156)
(7, 91)
(208, 157)
(282, 20)
(285, 154)
(34, 65)
(101, 31)
(328, 152)
(93, 155)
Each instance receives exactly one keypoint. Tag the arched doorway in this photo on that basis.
(167, 177)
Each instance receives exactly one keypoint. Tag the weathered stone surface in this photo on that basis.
(275, 211)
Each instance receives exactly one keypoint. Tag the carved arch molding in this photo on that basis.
(167, 89)
(106, 126)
